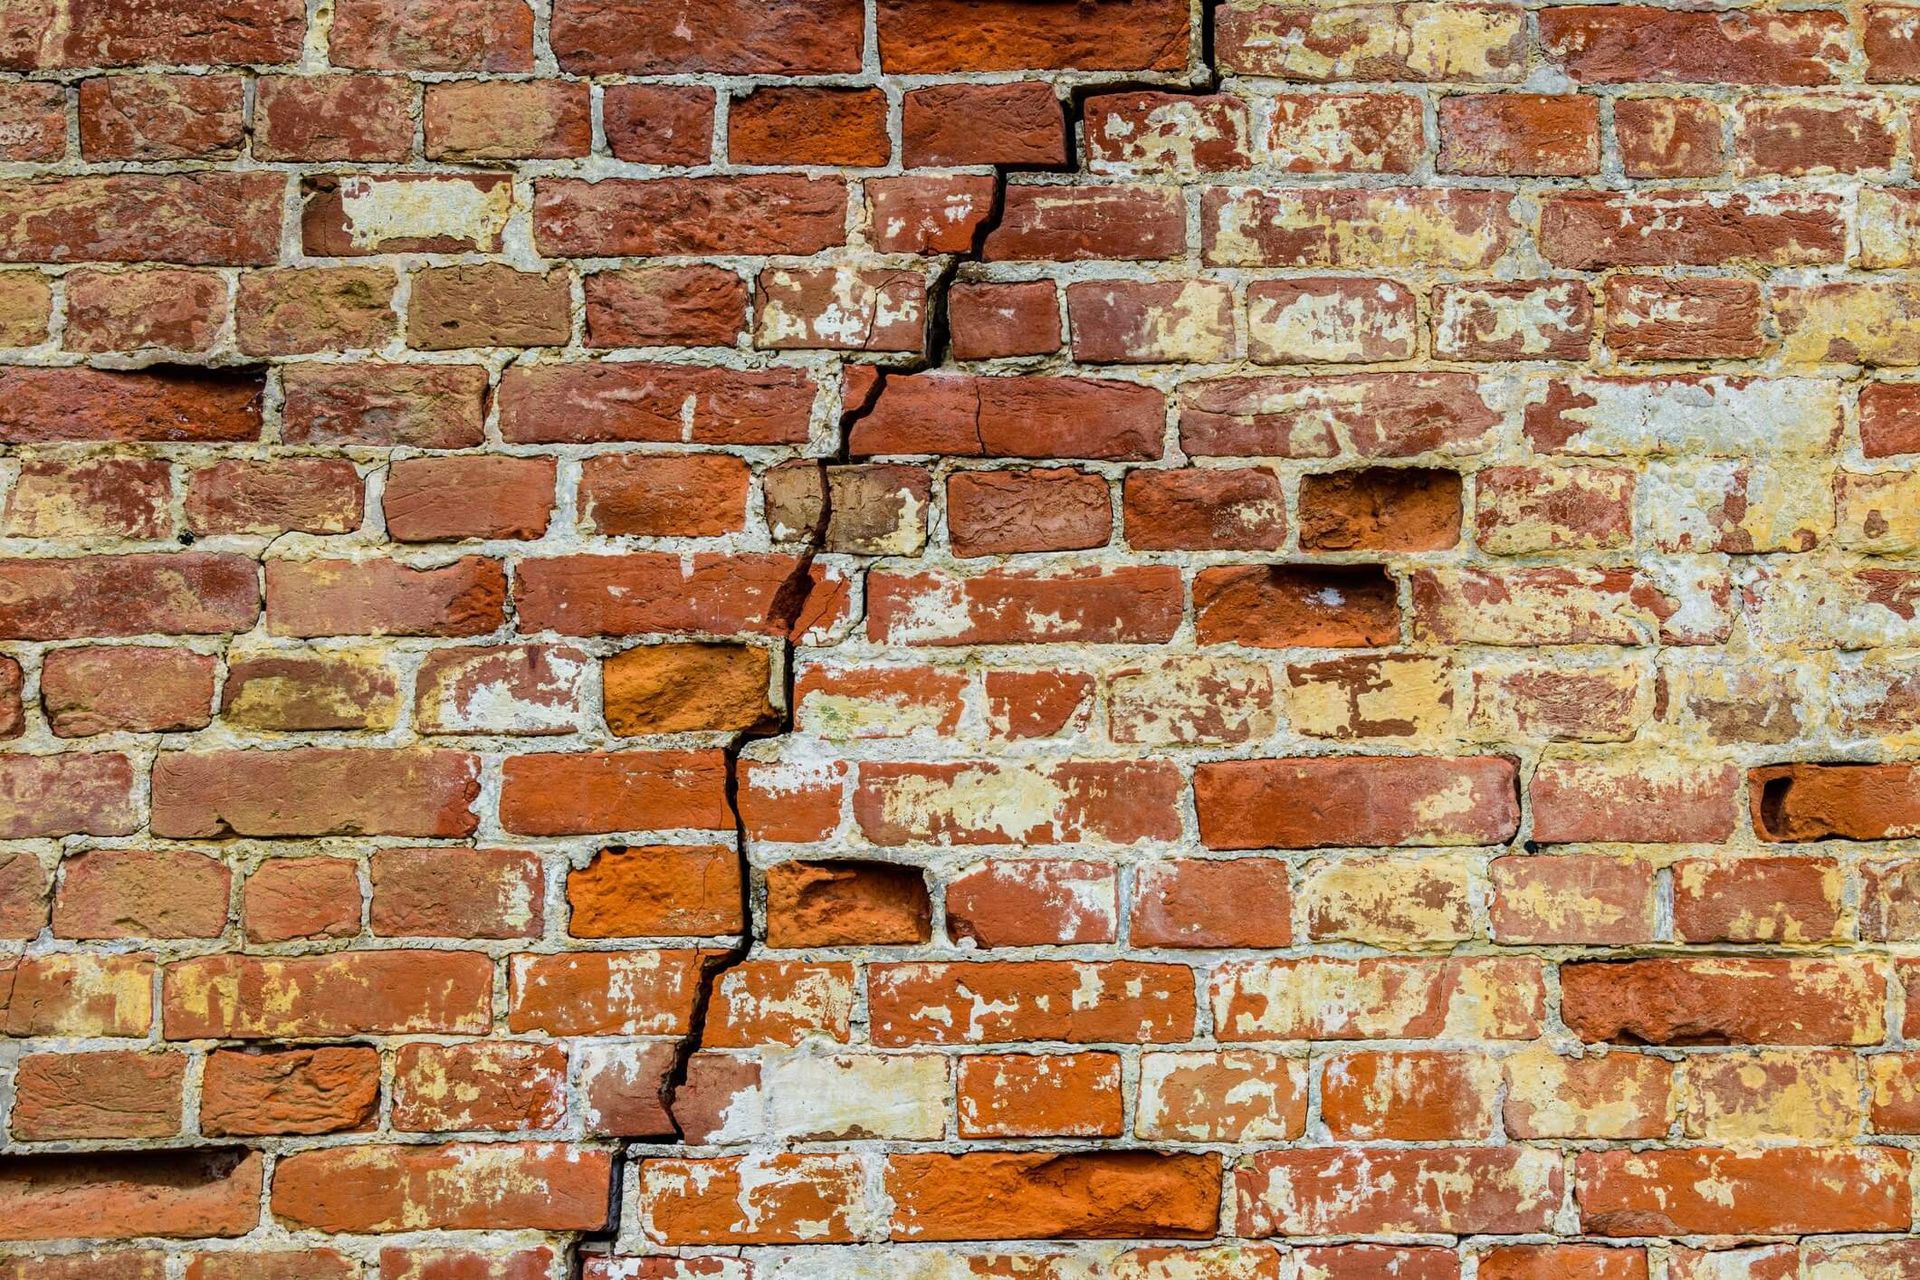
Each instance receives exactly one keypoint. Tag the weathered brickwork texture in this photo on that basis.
(959, 640)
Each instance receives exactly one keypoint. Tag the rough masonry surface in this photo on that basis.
(958, 640)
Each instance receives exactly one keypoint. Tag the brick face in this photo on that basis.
(824, 639)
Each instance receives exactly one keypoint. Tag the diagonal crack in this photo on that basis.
(790, 602)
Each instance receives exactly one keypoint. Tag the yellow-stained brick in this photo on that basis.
(1749, 1097)
(1871, 323)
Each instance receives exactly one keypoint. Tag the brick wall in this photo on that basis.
(958, 639)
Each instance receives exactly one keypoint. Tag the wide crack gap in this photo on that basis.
(791, 601)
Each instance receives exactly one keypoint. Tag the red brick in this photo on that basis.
(1515, 134)
(1192, 902)
(969, 124)
(357, 118)
(654, 592)
(101, 498)
(161, 117)
(839, 309)
(1038, 509)
(23, 897)
(1889, 419)
(933, 36)
(1615, 44)
(795, 1198)
(1033, 1095)
(97, 1095)
(1725, 1001)
(1704, 1191)
(1139, 604)
(657, 123)
(422, 406)
(128, 1194)
(62, 795)
(181, 310)
(109, 33)
(36, 111)
(737, 37)
(1173, 133)
(1118, 1001)
(1419, 1095)
(782, 1002)
(39, 406)
(314, 791)
(929, 213)
(698, 306)
(790, 124)
(384, 598)
(1779, 899)
(304, 495)
(599, 993)
(1280, 606)
(1037, 704)
(449, 499)
(1027, 902)
(1655, 318)
(505, 1086)
(1074, 224)
(456, 893)
(290, 1091)
(1356, 800)
(125, 893)
(1658, 802)
(658, 891)
(459, 35)
(761, 213)
(1822, 802)
(349, 993)
(1552, 1261)
(475, 120)
(1588, 230)
(988, 320)
(1796, 137)
(1891, 44)
(77, 994)
(846, 903)
(1375, 415)
(1337, 1190)
(403, 1188)
(1015, 417)
(200, 219)
(294, 898)
(601, 403)
(1669, 137)
(1223, 509)
(397, 1263)
(259, 1264)
(1072, 1195)
(615, 791)
(1380, 509)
